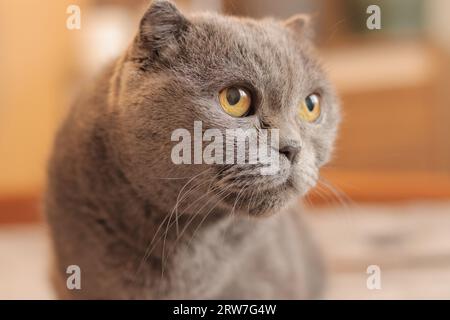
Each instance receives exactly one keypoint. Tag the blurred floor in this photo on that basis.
(24, 261)
(410, 243)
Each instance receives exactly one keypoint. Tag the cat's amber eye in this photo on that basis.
(310, 108)
(235, 101)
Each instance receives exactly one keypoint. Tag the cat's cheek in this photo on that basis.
(304, 175)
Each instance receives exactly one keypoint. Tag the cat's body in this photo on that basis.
(113, 187)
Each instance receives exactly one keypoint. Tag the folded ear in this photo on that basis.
(300, 25)
(161, 26)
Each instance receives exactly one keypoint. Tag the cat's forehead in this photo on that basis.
(261, 50)
(267, 36)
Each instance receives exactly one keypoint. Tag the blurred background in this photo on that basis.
(385, 198)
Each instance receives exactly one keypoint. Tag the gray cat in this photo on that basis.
(140, 226)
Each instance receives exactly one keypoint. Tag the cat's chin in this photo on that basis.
(261, 203)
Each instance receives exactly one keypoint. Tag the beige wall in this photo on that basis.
(437, 19)
(34, 55)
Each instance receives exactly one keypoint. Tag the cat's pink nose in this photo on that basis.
(291, 152)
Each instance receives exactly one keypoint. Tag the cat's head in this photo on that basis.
(226, 73)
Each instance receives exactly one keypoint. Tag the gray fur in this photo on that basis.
(112, 186)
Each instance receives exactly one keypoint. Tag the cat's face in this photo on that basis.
(181, 70)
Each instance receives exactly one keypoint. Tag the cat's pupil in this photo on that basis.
(233, 96)
(310, 104)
